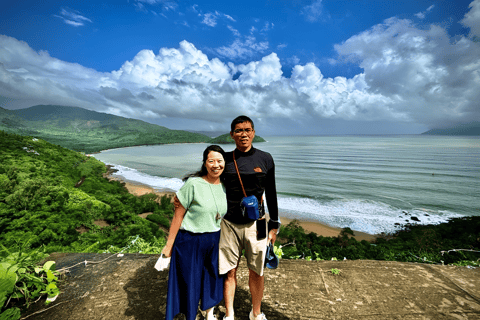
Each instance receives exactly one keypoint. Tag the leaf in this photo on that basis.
(48, 265)
(17, 295)
(8, 278)
(10, 314)
(50, 276)
(3, 298)
(51, 290)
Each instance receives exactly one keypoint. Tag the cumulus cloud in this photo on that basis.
(410, 75)
(427, 77)
(472, 18)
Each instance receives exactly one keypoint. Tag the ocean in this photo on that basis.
(371, 184)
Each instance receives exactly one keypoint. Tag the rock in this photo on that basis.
(132, 289)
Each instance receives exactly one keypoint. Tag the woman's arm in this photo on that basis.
(174, 227)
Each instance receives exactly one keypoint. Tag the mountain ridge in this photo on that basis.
(89, 131)
(466, 129)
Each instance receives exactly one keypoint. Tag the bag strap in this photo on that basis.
(239, 178)
(238, 172)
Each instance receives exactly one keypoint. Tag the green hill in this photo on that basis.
(470, 129)
(89, 131)
(51, 196)
(225, 138)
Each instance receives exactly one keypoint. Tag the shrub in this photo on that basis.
(161, 220)
(22, 280)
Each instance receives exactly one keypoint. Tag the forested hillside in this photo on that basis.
(225, 138)
(89, 131)
(54, 197)
(469, 129)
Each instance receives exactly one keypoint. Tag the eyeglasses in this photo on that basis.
(239, 131)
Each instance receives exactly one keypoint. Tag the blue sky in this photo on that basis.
(294, 66)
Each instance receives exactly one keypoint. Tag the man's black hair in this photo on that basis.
(240, 119)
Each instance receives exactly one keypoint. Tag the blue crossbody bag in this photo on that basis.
(249, 204)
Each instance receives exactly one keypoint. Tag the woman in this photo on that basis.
(193, 240)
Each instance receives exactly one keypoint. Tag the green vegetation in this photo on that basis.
(47, 193)
(22, 280)
(465, 129)
(89, 131)
(414, 243)
(52, 197)
(335, 271)
(225, 138)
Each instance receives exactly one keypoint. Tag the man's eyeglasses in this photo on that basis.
(239, 131)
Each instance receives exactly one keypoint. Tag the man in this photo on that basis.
(257, 171)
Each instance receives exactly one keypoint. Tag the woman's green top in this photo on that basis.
(206, 204)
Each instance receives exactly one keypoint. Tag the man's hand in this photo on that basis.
(272, 236)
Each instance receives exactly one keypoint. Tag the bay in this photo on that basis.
(368, 183)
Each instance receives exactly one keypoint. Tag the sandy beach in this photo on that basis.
(320, 229)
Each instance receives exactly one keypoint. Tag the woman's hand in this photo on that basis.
(167, 251)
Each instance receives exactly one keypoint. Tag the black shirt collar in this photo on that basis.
(239, 153)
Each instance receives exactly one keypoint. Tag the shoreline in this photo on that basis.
(139, 189)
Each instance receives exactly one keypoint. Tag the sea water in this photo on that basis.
(371, 184)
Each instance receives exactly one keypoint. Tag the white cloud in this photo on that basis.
(165, 5)
(267, 27)
(210, 19)
(422, 15)
(235, 32)
(261, 72)
(229, 17)
(472, 18)
(73, 18)
(151, 1)
(427, 78)
(243, 49)
(410, 75)
(314, 11)
(292, 61)
(168, 5)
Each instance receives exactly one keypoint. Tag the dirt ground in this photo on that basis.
(128, 287)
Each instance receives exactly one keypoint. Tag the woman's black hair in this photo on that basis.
(203, 170)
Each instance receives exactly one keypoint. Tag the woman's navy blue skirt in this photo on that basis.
(193, 274)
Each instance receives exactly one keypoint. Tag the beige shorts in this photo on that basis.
(236, 237)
